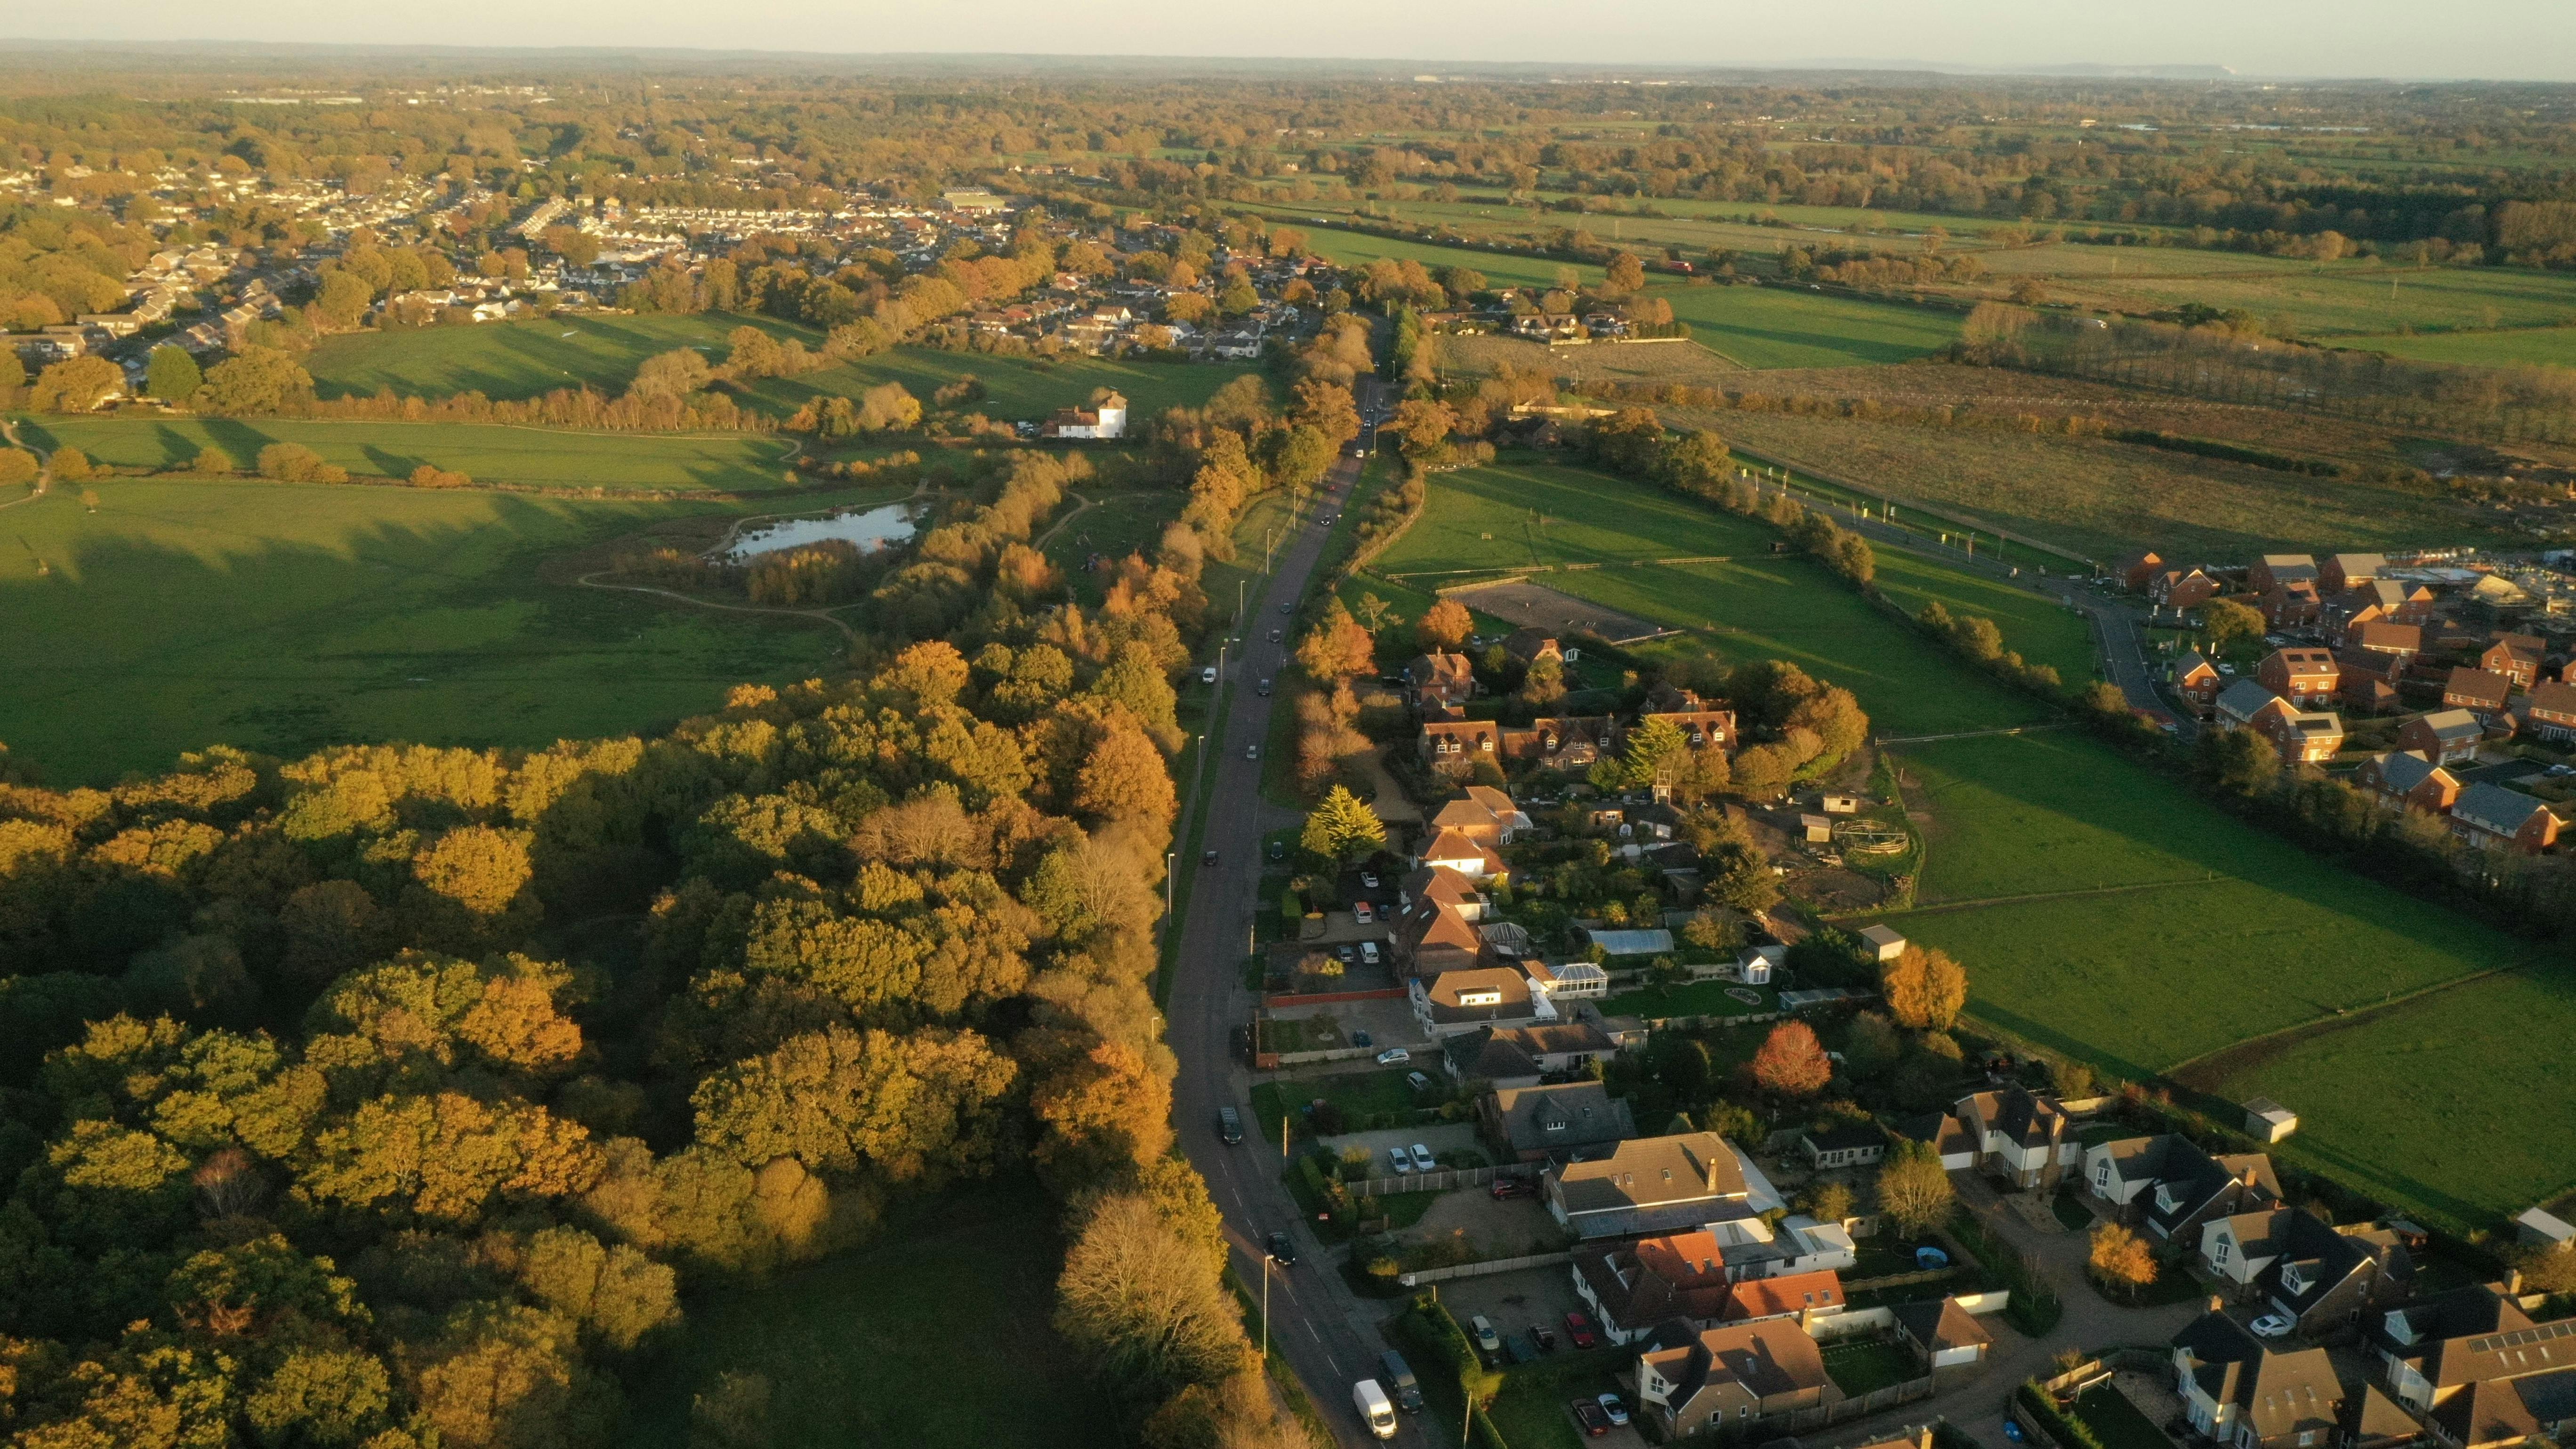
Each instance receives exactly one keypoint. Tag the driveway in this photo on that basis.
(1444, 1139)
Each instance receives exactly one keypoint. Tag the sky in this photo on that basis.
(2408, 39)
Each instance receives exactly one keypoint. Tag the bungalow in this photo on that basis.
(1844, 1144)
(2135, 570)
(2238, 1391)
(1439, 678)
(1734, 1375)
(1803, 1296)
(2445, 736)
(1528, 645)
(2174, 1187)
(1945, 1333)
(1454, 746)
(2491, 817)
(2304, 676)
(2197, 681)
(2409, 779)
(1815, 1246)
(2183, 588)
(1454, 1002)
(1651, 1184)
(2343, 570)
(2550, 711)
(2482, 692)
(1533, 1124)
(2515, 656)
(1517, 1056)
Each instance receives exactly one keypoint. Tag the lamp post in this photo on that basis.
(1266, 1260)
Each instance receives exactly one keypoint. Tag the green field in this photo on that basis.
(937, 1337)
(486, 452)
(1789, 608)
(2042, 631)
(1521, 515)
(2542, 346)
(520, 359)
(284, 617)
(1016, 387)
(1765, 327)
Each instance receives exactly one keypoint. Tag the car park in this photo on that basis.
(1588, 1416)
(1392, 1056)
(1282, 1251)
(1579, 1329)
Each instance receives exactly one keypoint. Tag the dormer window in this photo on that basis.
(2292, 1279)
(2167, 1200)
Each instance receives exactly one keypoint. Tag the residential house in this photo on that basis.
(2400, 641)
(2478, 1368)
(2367, 680)
(2491, 817)
(1517, 1056)
(2020, 1135)
(1805, 1297)
(1439, 679)
(2378, 601)
(2445, 736)
(1528, 645)
(2319, 1276)
(1457, 850)
(2273, 570)
(1651, 1184)
(2291, 605)
(1844, 1144)
(1432, 936)
(2302, 736)
(1448, 887)
(1946, 1135)
(1633, 1287)
(2550, 711)
(1703, 727)
(1455, 1002)
(2240, 1392)
(2515, 656)
(1534, 1124)
(2305, 676)
(1106, 421)
(2183, 588)
(2482, 692)
(1945, 1333)
(1485, 814)
(1454, 746)
(2409, 778)
(1572, 742)
(2197, 681)
(1814, 1246)
(1738, 1374)
(2135, 570)
(2343, 570)
(2240, 704)
(2172, 1187)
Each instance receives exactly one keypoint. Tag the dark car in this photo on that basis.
(1514, 1187)
(1545, 1336)
(1362, 1039)
(1282, 1251)
(1279, 850)
(1579, 1328)
(1209, 858)
(1589, 1415)
(1521, 1350)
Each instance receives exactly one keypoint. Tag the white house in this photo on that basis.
(1106, 421)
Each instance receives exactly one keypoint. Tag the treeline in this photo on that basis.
(2223, 364)
(1632, 442)
(312, 1135)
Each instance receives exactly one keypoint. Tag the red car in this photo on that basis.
(1514, 1187)
(1579, 1329)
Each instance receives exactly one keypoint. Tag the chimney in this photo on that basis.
(2513, 1282)
(2217, 1304)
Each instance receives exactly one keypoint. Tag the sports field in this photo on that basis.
(937, 1336)
(485, 452)
(520, 359)
(1518, 514)
(283, 617)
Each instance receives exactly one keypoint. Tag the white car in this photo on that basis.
(1368, 953)
(2272, 1325)
(1208, 675)
(1423, 1158)
(1252, 752)
(1363, 912)
(1368, 878)
(1486, 1338)
(1392, 1056)
(1402, 1160)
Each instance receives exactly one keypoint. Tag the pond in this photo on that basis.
(869, 528)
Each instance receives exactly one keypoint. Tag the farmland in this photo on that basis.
(284, 617)
(851, 1345)
(520, 359)
(2537, 346)
(486, 452)
(1527, 514)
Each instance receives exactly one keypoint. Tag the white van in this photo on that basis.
(1375, 1410)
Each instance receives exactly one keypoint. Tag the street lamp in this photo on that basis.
(1266, 1260)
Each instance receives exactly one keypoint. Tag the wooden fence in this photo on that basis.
(1484, 1269)
(1444, 1180)
(1876, 1401)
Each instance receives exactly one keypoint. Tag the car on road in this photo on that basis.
(1284, 608)
(1274, 636)
(1399, 1380)
(1207, 857)
(1282, 1251)
(1265, 689)
(1588, 1415)
(1252, 752)
(1229, 1125)
(1376, 1410)
(2273, 1325)
(1579, 1329)
(1613, 1409)
(1402, 1159)
(1393, 1056)
(1483, 1331)
(1208, 675)
(1362, 913)
(1424, 1158)
(1415, 1080)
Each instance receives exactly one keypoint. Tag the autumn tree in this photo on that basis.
(1337, 646)
(1443, 626)
(1136, 1301)
(76, 385)
(1914, 1189)
(1791, 1062)
(1925, 989)
(2121, 1259)
(1625, 274)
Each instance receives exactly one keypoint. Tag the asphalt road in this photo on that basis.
(1327, 1334)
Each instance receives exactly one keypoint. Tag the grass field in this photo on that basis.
(488, 453)
(520, 359)
(937, 1336)
(282, 617)
(1521, 514)
(1016, 387)
(1770, 327)
(2546, 346)
(2041, 631)
(1789, 608)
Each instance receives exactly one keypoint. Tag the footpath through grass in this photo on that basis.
(283, 617)
(1521, 514)
(936, 1335)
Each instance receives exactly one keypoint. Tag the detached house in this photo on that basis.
(2550, 711)
(2197, 681)
(1651, 1184)
(2491, 817)
(2018, 1135)
(2482, 1373)
(1439, 679)
(1457, 850)
(1517, 1056)
(1739, 1374)
(2401, 642)
(2343, 570)
(2299, 736)
(2238, 1391)
(2170, 1185)
(1454, 1002)
(2305, 677)
(2137, 569)
(1431, 937)
(2275, 569)
(2445, 736)
(2515, 656)
(2183, 588)
(1527, 646)
(2367, 681)
(1454, 746)
(1485, 814)
(1533, 1124)
(1805, 1297)
(2318, 1276)
(2410, 779)
(2479, 691)
(1633, 1287)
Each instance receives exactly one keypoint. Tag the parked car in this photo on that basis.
(1368, 952)
(1368, 878)
(1361, 1039)
(1282, 1250)
(1616, 1411)
(1588, 1415)
(1486, 1338)
(1402, 1158)
(1521, 1350)
(1579, 1329)
(1544, 1337)
(1415, 1080)
(1424, 1158)
(1347, 952)
(1397, 1375)
(1362, 912)
(1505, 1187)
(2012, 1430)
(1229, 1125)
(2273, 1325)
(1393, 1055)
(1279, 850)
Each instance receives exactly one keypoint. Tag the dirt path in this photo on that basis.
(590, 581)
(1080, 506)
(2207, 1073)
(44, 467)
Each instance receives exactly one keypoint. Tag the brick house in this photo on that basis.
(2446, 736)
(2238, 704)
(2515, 656)
(2482, 692)
(2275, 569)
(2291, 604)
(2550, 710)
(2367, 681)
(2138, 568)
(2343, 570)
(2303, 736)
(2303, 676)
(1528, 645)
(2400, 642)
(2410, 779)
(2170, 1186)
(1454, 746)
(2197, 681)
(1566, 743)
(2491, 817)
(1439, 679)
(2183, 588)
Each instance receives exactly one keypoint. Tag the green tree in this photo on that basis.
(172, 375)
(1342, 828)
(255, 380)
(2229, 623)
(1655, 750)
(76, 385)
